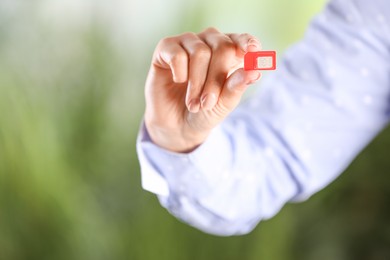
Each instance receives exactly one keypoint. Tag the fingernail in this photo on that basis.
(253, 42)
(194, 105)
(208, 101)
(253, 45)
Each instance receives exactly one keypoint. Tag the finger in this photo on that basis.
(170, 55)
(235, 87)
(222, 61)
(199, 58)
(245, 42)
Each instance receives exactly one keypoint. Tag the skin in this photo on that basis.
(194, 82)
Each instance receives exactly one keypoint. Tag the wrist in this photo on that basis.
(174, 140)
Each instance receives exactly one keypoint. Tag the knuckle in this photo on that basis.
(178, 58)
(246, 35)
(226, 45)
(166, 41)
(202, 50)
(211, 29)
(188, 35)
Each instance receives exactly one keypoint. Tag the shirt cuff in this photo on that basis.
(163, 171)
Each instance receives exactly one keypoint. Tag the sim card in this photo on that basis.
(260, 60)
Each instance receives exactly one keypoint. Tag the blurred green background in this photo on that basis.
(71, 100)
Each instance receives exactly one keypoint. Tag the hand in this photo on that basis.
(194, 82)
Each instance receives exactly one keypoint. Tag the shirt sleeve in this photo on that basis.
(328, 99)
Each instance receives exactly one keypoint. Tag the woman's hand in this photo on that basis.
(194, 82)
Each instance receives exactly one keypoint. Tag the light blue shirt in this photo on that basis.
(328, 99)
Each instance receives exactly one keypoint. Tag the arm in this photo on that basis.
(328, 99)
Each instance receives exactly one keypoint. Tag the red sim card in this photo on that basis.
(260, 60)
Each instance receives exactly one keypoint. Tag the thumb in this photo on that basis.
(235, 87)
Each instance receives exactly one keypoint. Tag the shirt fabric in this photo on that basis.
(328, 99)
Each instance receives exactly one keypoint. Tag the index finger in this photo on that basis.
(245, 42)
